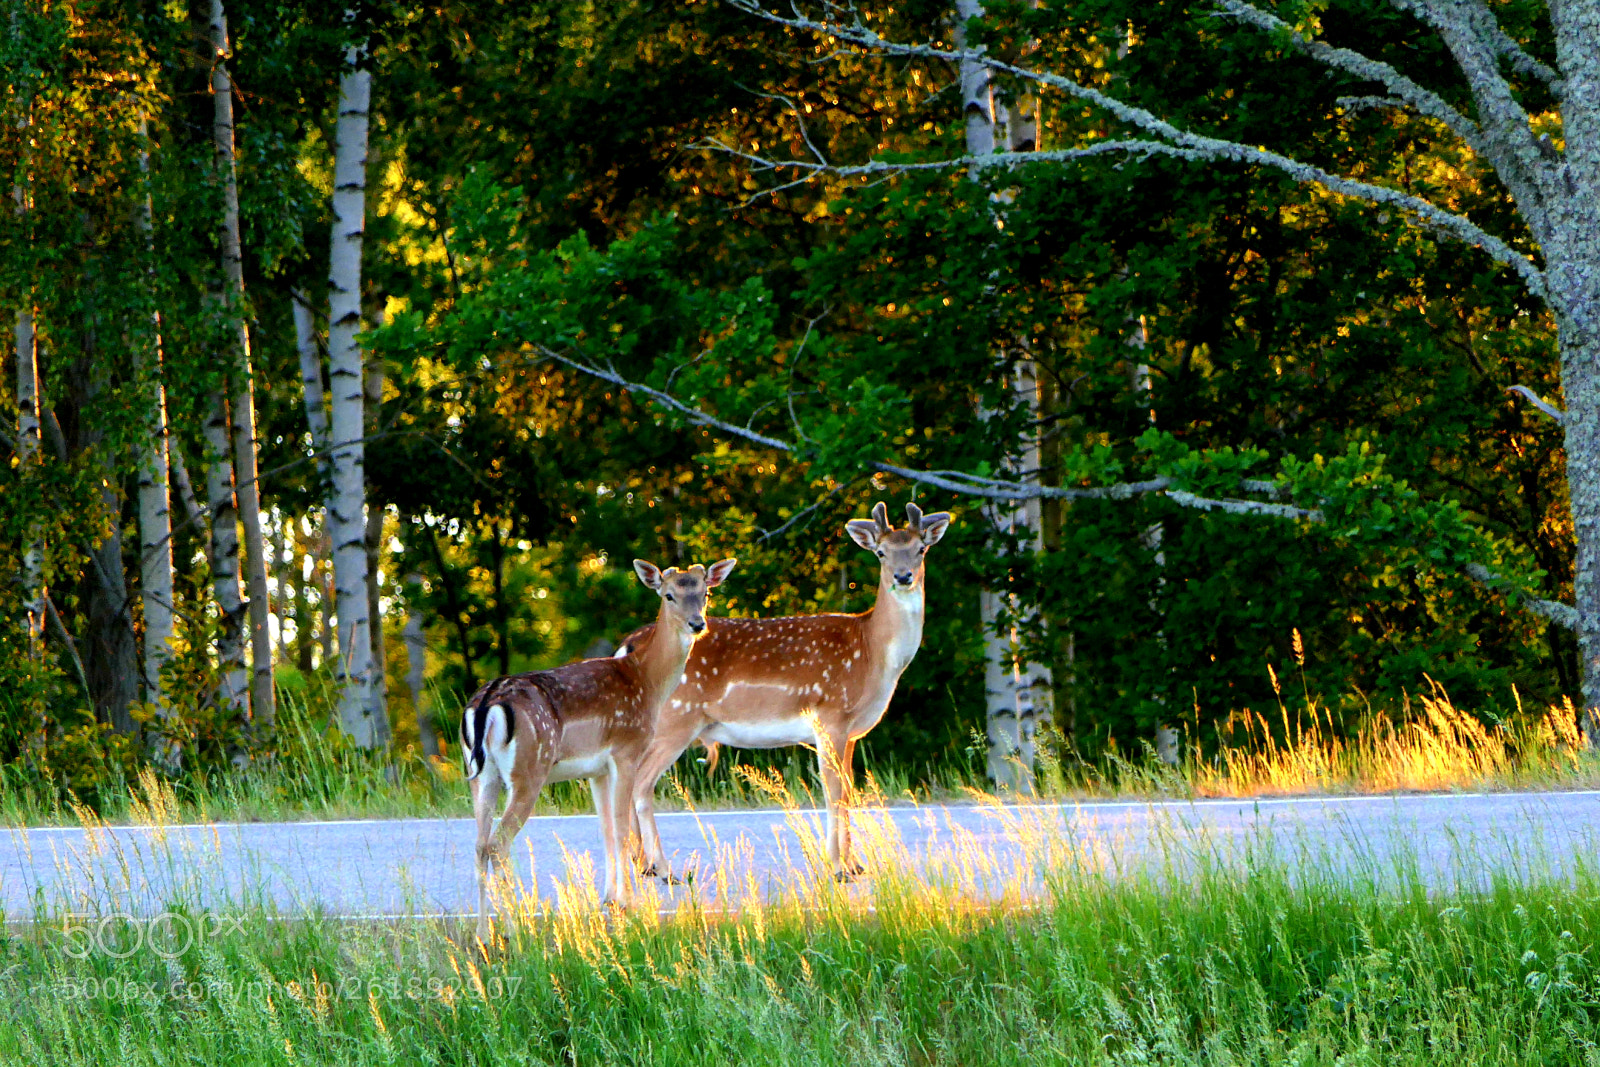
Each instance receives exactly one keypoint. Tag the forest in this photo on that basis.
(357, 351)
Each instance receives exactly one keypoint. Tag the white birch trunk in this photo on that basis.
(376, 512)
(155, 498)
(28, 437)
(1018, 693)
(346, 503)
(282, 568)
(224, 558)
(305, 342)
(27, 351)
(244, 409)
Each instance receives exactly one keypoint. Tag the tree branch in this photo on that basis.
(1175, 142)
(1414, 95)
(1561, 614)
(1244, 507)
(1533, 398)
(986, 488)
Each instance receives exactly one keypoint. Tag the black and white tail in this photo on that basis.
(482, 726)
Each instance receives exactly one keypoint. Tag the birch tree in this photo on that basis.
(372, 387)
(243, 420)
(155, 498)
(1552, 181)
(26, 349)
(27, 362)
(1018, 691)
(346, 498)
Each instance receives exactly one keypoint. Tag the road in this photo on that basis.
(424, 866)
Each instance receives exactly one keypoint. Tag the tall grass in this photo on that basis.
(311, 771)
(1213, 957)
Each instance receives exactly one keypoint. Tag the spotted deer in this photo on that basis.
(816, 680)
(591, 719)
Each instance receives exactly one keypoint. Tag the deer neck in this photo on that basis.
(661, 663)
(894, 625)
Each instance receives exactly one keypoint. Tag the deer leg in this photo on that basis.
(624, 836)
(603, 788)
(524, 791)
(847, 855)
(661, 754)
(485, 798)
(833, 767)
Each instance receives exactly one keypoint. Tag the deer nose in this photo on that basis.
(903, 577)
(698, 627)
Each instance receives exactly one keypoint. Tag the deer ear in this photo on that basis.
(863, 532)
(718, 572)
(934, 526)
(648, 573)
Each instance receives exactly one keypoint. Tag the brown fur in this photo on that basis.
(746, 674)
(591, 719)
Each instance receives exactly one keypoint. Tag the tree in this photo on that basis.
(1554, 188)
(358, 706)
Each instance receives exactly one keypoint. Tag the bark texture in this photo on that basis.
(247, 487)
(155, 498)
(346, 499)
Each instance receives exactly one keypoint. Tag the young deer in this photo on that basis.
(818, 680)
(591, 719)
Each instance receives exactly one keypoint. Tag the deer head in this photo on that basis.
(684, 593)
(900, 552)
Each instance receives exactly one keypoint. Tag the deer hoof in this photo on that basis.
(650, 872)
(849, 872)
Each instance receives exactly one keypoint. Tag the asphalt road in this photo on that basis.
(424, 866)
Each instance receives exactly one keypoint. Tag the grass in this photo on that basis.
(1218, 956)
(1427, 745)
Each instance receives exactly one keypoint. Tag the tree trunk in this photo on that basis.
(155, 497)
(346, 504)
(248, 487)
(28, 407)
(373, 387)
(224, 553)
(417, 647)
(305, 338)
(27, 350)
(1018, 692)
(304, 620)
(282, 566)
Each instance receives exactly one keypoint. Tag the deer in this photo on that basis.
(822, 681)
(590, 719)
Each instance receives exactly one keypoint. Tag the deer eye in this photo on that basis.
(880, 555)
(670, 598)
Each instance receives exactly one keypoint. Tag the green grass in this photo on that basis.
(1247, 959)
(309, 771)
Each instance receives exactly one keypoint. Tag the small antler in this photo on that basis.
(913, 517)
(880, 515)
